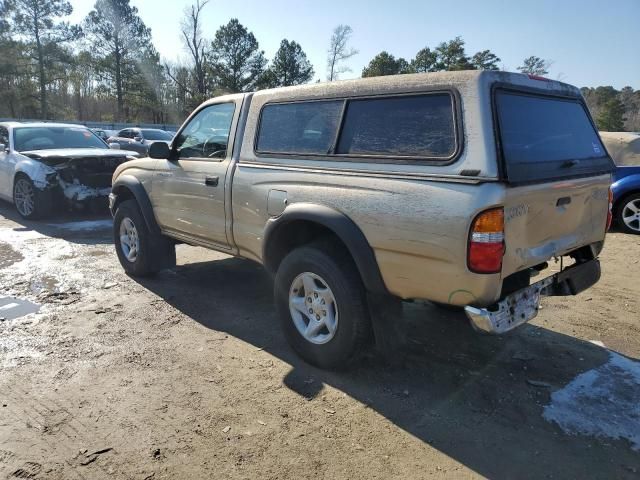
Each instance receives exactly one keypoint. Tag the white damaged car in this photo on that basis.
(48, 166)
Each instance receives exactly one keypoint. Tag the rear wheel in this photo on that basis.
(140, 253)
(628, 214)
(29, 201)
(321, 302)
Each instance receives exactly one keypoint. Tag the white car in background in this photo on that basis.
(49, 166)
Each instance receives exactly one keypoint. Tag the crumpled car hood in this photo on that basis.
(72, 153)
(81, 173)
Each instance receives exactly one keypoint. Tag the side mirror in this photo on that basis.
(137, 139)
(3, 147)
(159, 150)
(114, 146)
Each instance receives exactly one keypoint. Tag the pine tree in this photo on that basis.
(238, 61)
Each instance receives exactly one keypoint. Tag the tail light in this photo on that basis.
(610, 211)
(486, 242)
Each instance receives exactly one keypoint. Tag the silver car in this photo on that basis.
(139, 139)
(46, 166)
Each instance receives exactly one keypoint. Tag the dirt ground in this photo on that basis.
(187, 376)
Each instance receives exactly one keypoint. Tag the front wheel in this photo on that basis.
(628, 214)
(321, 302)
(28, 200)
(140, 253)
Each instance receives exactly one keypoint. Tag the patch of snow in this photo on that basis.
(42, 258)
(602, 402)
(12, 236)
(77, 192)
(84, 225)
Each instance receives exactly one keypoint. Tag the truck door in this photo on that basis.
(188, 191)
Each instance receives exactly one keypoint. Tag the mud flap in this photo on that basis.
(386, 316)
(163, 252)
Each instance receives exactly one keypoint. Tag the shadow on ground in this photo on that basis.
(469, 396)
(75, 227)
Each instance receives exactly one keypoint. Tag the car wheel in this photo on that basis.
(138, 250)
(628, 214)
(321, 302)
(29, 201)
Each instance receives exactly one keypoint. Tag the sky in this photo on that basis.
(589, 42)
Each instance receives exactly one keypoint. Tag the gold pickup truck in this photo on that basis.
(454, 187)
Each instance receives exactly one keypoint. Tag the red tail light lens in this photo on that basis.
(610, 211)
(486, 242)
(538, 77)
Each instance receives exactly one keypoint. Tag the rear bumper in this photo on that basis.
(523, 305)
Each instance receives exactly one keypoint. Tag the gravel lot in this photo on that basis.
(187, 376)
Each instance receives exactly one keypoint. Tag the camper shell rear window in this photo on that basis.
(545, 137)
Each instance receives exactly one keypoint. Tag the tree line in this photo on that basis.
(106, 68)
(613, 110)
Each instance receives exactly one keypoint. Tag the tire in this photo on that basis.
(328, 271)
(151, 252)
(629, 209)
(30, 202)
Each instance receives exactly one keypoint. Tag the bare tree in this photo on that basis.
(339, 52)
(181, 78)
(196, 44)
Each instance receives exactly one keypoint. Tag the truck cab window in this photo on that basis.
(207, 134)
(303, 128)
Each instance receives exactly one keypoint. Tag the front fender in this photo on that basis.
(38, 172)
(126, 186)
(625, 186)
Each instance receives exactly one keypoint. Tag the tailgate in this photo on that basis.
(554, 218)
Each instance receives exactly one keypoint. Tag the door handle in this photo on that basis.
(563, 201)
(211, 181)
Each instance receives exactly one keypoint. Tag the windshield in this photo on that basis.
(46, 138)
(156, 135)
(547, 137)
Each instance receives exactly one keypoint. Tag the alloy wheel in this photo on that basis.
(24, 197)
(313, 308)
(129, 241)
(631, 214)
